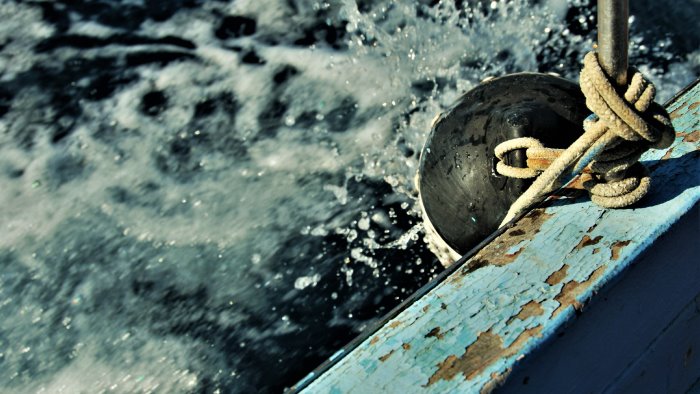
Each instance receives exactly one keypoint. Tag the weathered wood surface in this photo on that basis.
(468, 332)
(639, 335)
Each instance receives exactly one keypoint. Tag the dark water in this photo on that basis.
(214, 196)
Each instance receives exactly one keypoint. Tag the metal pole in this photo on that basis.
(613, 36)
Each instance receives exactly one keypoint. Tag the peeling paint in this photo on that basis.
(474, 265)
(616, 248)
(588, 241)
(571, 290)
(532, 308)
(667, 155)
(435, 332)
(692, 137)
(478, 356)
(497, 379)
(521, 232)
(395, 323)
(557, 276)
(512, 256)
(374, 340)
(386, 356)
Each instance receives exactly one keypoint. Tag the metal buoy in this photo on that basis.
(462, 196)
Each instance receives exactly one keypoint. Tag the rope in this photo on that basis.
(614, 138)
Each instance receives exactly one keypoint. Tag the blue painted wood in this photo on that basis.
(639, 335)
(524, 286)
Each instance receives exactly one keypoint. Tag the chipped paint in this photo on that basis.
(588, 241)
(435, 333)
(477, 356)
(568, 296)
(501, 305)
(497, 380)
(616, 247)
(557, 276)
(520, 233)
(692, 137)
(395, 323)
(532, 308)
(386, 356)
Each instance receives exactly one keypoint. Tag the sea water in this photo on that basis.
(215, 196)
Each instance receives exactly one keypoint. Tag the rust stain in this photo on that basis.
(487, 348)
(386, 356)
(374, 340)
(596, 250)
(406, 346)
(571, 290)
(616, 248)
(516, 232)
(588, 241)
(395, 323)
(426, 308)
(694, 105)
(558, 275)
(435, 332)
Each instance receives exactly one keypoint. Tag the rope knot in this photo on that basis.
(625, 115)
(621, 128)
(630, 123)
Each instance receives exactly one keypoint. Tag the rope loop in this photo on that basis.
(512, 145)
(621, 129)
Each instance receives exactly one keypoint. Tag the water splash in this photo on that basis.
(194, 187)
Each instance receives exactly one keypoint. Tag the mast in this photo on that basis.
(613, 36)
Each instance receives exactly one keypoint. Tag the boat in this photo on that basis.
(568, 296)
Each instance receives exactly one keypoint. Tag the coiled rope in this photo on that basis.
(614, 138)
